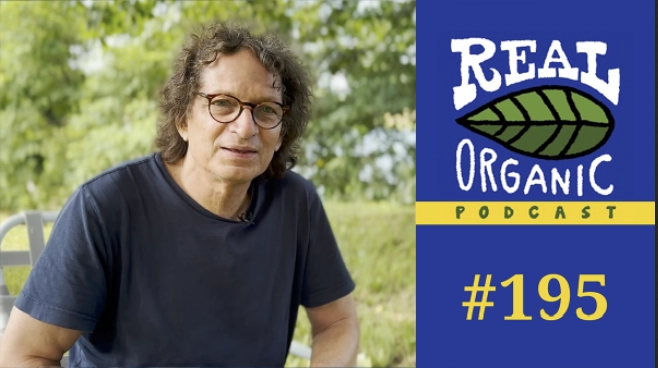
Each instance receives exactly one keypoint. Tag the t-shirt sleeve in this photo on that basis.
(326, 276)
(67, 285)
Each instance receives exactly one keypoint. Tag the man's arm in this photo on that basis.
(335, 331)
(28, 342)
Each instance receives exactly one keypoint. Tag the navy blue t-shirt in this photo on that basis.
(154, 279)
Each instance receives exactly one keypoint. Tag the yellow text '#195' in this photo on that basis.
(480, 291)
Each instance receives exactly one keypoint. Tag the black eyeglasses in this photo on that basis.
(226, 109)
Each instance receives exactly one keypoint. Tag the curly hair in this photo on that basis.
(203, 48)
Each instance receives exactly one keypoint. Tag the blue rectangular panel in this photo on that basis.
(526, 132)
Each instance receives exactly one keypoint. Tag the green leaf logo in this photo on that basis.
(546, 122)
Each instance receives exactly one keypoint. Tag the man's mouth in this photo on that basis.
(241, 150)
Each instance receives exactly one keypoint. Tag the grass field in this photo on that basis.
(377, 241)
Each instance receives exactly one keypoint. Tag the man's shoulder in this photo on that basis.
(108, 195)
(294, 183)
(293, 191)
(120, 184)
(113, 177)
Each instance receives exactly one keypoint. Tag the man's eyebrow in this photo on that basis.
(220, 92)
(264, 98)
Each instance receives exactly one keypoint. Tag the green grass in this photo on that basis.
(377, 241)
(16, 239)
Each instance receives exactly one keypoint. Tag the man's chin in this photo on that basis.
(236, 175)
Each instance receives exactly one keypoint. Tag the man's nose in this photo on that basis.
(244, 125)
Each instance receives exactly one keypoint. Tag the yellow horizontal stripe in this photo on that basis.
(546, 213)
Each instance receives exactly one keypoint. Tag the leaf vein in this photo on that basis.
(518, 135)
(500, 131)
(549, 104)
(522, 109)
(572, 139)
(572, 105)
(550, 139)
(543, 122)
(498, 113)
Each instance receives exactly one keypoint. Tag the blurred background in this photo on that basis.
(79, 92)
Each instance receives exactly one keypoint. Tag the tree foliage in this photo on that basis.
(79, 85)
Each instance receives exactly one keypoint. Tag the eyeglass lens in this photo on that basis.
(226, 109)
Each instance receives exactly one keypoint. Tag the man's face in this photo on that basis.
(239, 151)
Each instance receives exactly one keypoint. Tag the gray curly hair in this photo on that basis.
(201, 49)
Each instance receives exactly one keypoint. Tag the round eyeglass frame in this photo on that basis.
(251, 106)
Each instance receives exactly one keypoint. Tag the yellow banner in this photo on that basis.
(535, 213)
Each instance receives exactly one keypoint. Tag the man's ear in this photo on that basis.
(182, 130)
(279, 143)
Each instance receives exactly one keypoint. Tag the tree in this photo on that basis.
(80, 83)
(355, 150)
(38, 92)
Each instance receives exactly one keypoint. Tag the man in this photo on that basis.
(200, 254)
